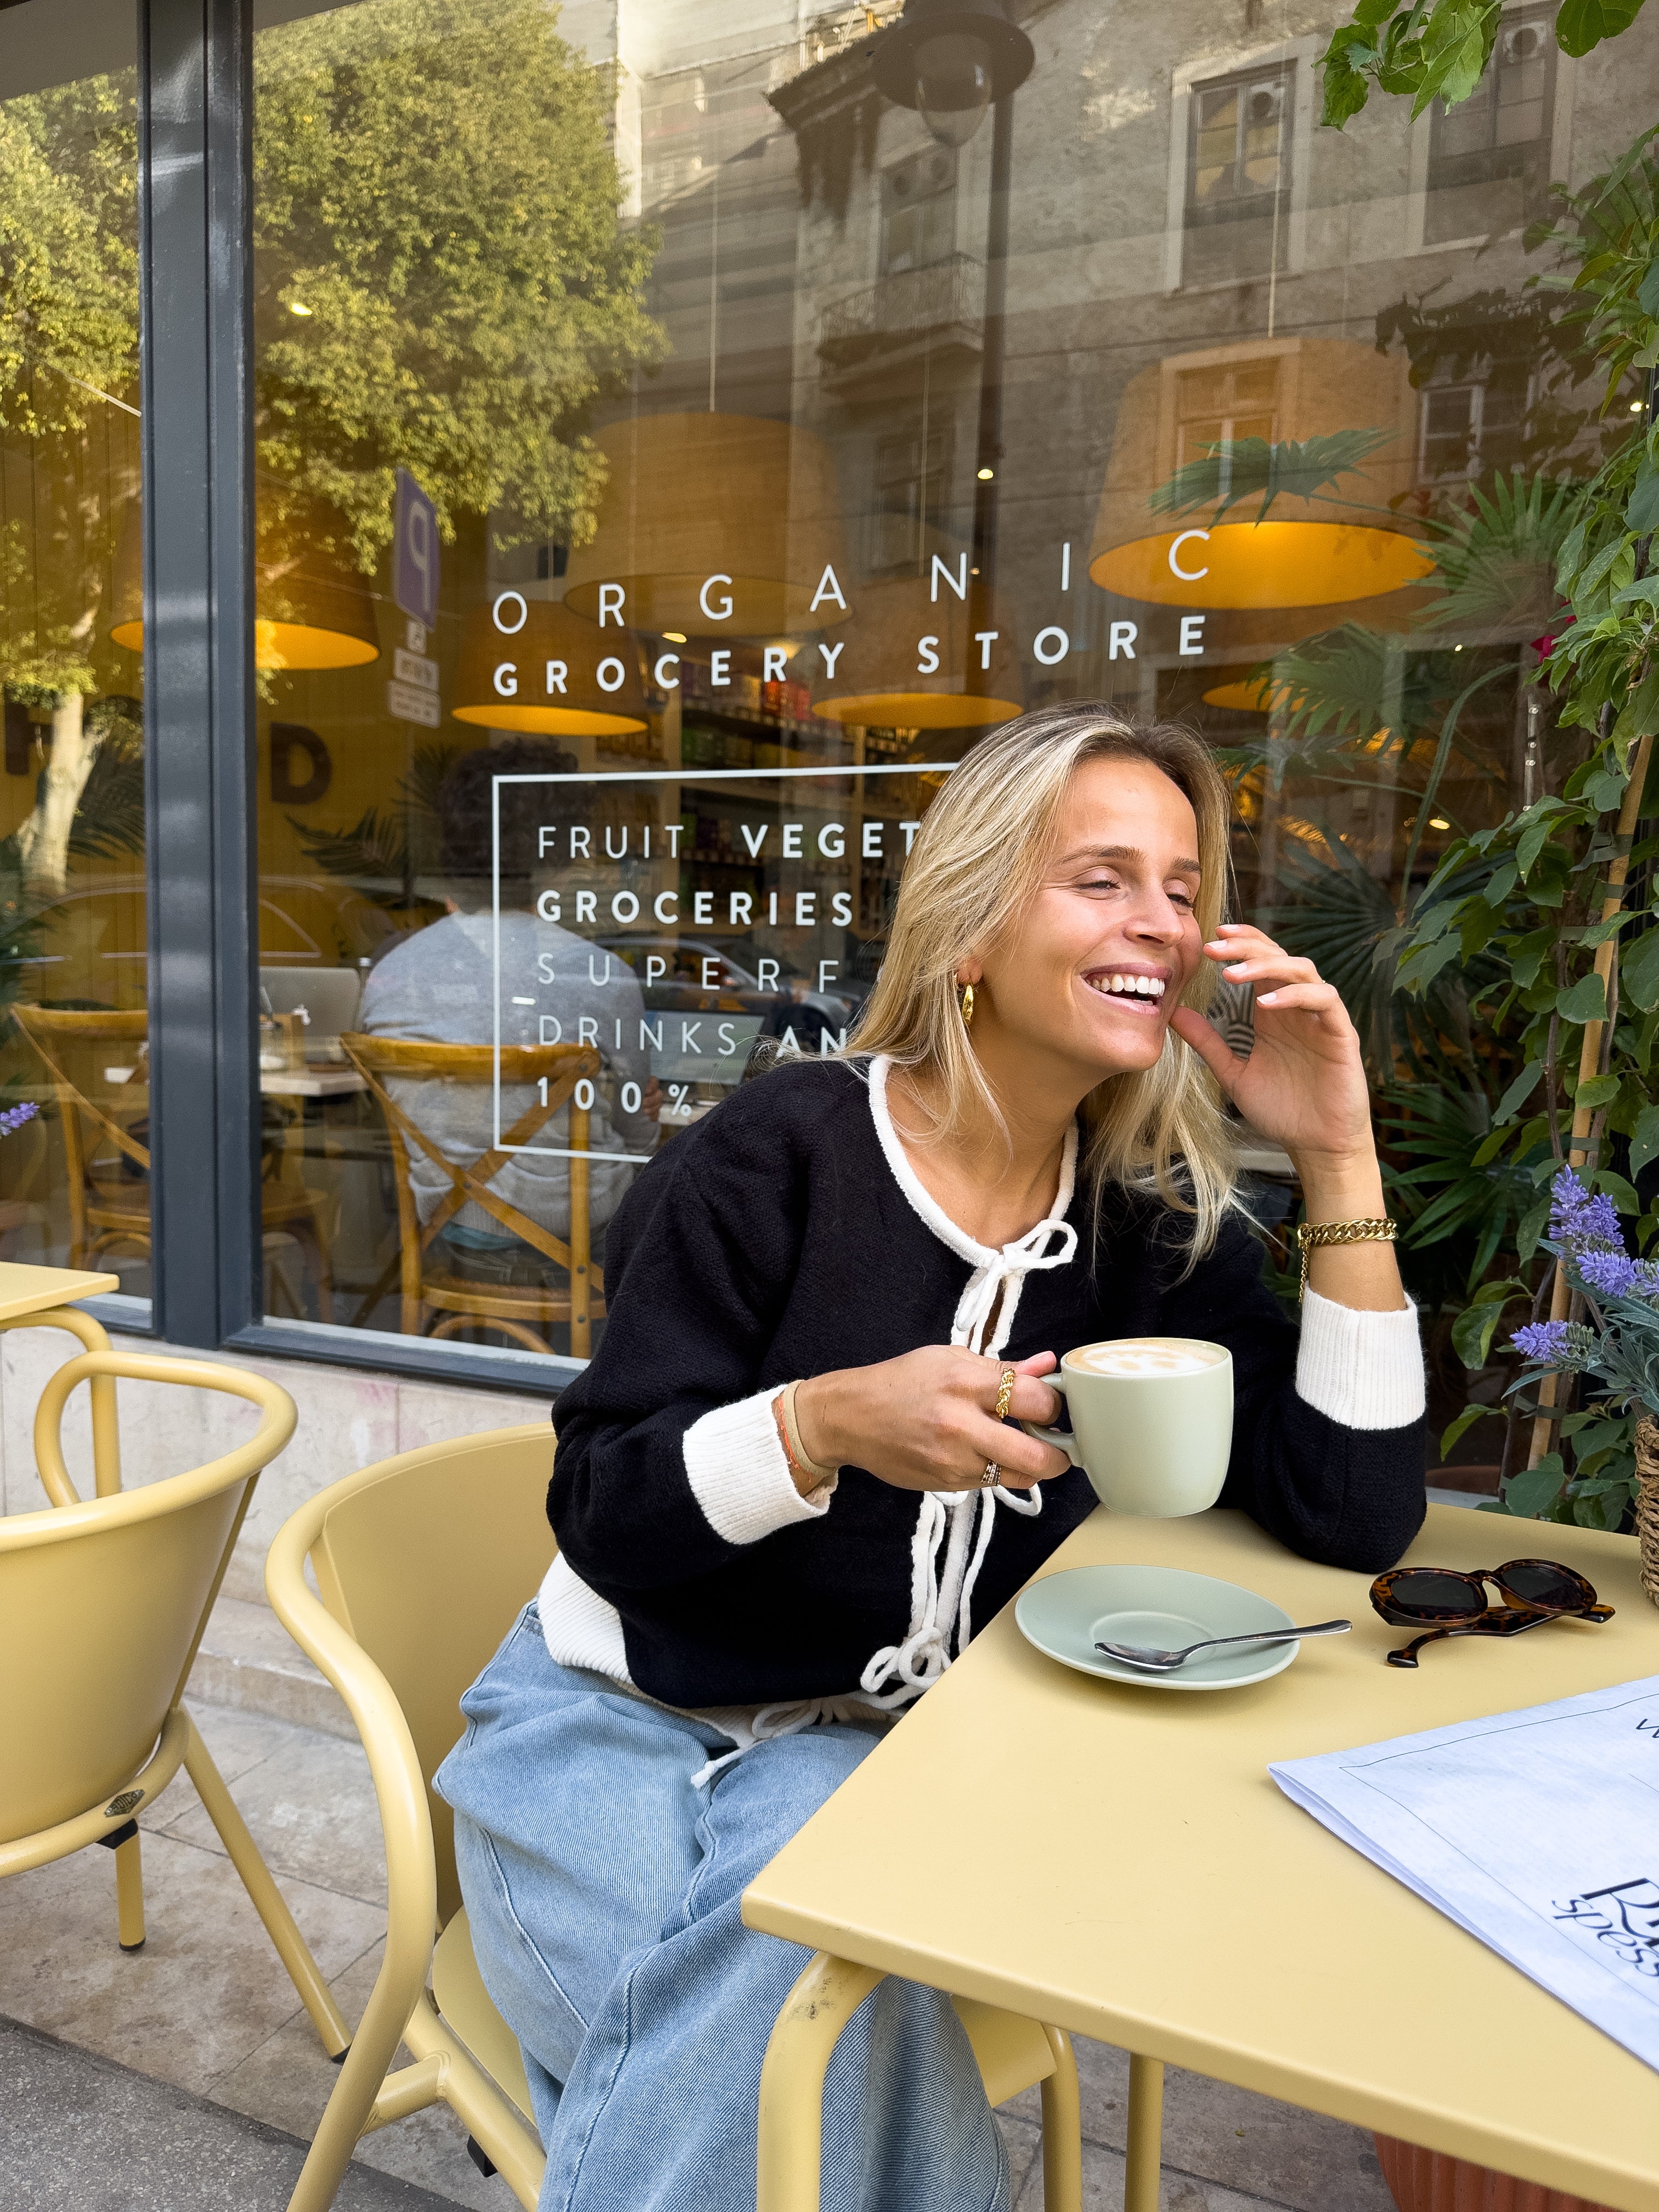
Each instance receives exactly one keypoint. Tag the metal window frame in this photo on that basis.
(195, 199)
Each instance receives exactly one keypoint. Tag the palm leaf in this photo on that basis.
(1497, 558)
(421, 786)
(1353, 684)
(1337, 915)
(374, 848)
(1436, 1127)
(1235, 469)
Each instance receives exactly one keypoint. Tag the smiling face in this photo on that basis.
(1084, 984)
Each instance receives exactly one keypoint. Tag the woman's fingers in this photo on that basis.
(1273, 966)
(1209, 1044)
(927, 1421)
(977, 1437)
(1022, 1459)
(1311, 998)
(1238, 940)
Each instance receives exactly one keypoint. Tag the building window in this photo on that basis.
(1469, 430)
(919, 211)
(1238, 176)
(1488, 156)
(1218, 405)
(912, 486)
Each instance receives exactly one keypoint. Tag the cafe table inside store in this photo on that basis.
(1121, 1864)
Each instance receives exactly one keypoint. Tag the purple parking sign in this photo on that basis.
(415, 553)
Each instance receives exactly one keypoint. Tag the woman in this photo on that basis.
(783, 1496)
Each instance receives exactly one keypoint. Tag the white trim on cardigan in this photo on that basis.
(942, 1592)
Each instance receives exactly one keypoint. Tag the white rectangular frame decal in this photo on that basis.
(847, 771)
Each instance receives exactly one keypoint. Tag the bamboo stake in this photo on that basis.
(1590, 1056)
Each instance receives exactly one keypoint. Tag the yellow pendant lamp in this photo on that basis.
(532, 665)
(713, 525)
(1344, 545)
(909, 660)
(310, 612)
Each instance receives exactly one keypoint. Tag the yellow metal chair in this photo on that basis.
(103, 1601)
(422, 1562)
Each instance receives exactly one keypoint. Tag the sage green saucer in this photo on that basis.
(1163, 1607)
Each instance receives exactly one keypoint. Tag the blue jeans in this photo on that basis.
(603, 1893)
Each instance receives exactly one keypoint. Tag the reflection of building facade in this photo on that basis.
(1191, 260)
(845, 484)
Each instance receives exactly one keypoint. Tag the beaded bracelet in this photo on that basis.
(1371, 1229)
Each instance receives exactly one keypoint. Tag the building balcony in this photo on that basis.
(940, 307)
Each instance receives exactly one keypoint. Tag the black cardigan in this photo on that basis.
(771, 1242)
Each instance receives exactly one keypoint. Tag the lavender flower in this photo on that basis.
(1564, 1345)
(1611, 1275)
(1579, 1223)
(14, 1117)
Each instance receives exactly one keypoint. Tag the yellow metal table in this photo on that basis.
(1118, 1862)
(31, 1293)
(43, 1298)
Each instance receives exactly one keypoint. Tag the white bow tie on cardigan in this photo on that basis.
(941, 1598)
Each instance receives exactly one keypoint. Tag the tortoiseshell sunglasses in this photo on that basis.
(1534, 1591)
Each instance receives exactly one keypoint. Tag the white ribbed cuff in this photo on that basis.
(740, 1476)
(1363, 1371)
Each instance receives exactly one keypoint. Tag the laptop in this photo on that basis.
(326, 998)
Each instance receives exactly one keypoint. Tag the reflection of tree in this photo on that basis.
(436, 187)
(69, 294)
(442, 280)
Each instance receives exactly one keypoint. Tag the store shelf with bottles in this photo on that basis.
(739, 736)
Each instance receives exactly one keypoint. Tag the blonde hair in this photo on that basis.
(979, 859)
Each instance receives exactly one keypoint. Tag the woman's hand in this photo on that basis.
(927, 1421)
(1304, 1085)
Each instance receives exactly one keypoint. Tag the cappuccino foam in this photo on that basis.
(1147, 1355)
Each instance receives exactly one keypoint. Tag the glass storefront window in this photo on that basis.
(676, 447)
(74, 1181)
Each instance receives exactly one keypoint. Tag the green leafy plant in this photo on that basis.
(1556, 900)
(1429, 50)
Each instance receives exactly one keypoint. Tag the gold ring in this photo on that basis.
(991, 1475)
(1005, 1393)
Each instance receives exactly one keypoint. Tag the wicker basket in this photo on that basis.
(1647, 1502)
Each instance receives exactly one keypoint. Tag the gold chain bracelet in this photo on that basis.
(1373, 1230)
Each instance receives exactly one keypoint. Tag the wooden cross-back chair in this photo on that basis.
(518, 1311)
(107, 1207)
(108, 1168)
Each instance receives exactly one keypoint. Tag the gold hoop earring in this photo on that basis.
(967, 1005)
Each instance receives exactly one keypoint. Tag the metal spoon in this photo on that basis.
(1165, 1662)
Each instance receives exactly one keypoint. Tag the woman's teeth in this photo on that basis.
(1135, 987)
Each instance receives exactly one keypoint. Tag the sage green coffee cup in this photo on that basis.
(1154, 1437)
